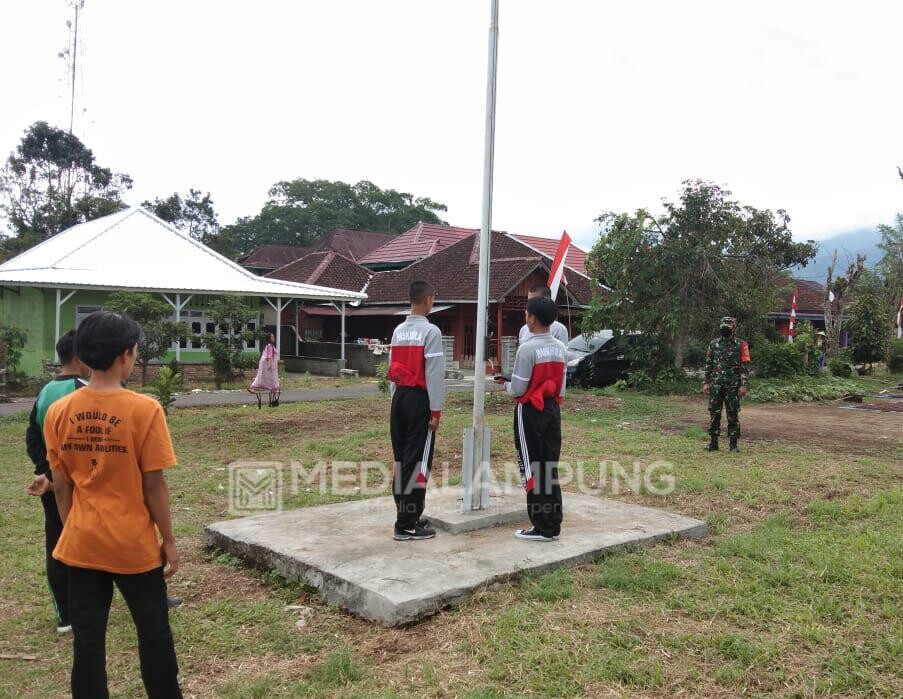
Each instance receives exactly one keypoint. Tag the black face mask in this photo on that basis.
(727, 332)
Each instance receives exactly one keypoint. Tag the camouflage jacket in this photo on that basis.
(727, 362)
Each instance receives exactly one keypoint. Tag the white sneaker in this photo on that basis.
(533, 534)
(64, 629)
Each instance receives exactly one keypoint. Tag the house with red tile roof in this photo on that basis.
(352, 244)
(810, 295)
(341, 271)
(266, 258)
(575, 259)
(454, 270)
(515, 266)
(415, 244)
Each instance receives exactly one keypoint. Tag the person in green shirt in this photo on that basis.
(68, 380)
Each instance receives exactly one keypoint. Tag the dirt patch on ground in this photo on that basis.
(886, 406)
(204, 579)
(326, 419)
(825, 424)
(500, 403)
(590, 401)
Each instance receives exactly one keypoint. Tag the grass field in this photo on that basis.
(798, 592)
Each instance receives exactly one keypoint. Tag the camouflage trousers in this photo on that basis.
(728, 397)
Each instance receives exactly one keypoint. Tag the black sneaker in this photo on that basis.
(425, 524)
(414, 534)
(533, 534)
(173, 602)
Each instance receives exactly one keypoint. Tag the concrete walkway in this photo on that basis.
(291, 395)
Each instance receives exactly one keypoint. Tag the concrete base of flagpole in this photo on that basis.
(347, 552)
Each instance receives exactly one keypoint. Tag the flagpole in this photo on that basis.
(476, 445)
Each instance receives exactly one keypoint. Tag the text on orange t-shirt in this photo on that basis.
(102, 441)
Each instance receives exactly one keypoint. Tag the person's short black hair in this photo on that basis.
(103, 336)
(542, 290)
(420, 290)
(544, 309)
(65, 347)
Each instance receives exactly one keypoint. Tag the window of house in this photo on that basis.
(200, 324)
(82, 312)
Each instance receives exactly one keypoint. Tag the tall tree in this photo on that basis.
(193, 214)
(890, 267)
(158, 332)
(51, 182)
(299, 212)
(868, 320)
(838, 295)
(673, 276)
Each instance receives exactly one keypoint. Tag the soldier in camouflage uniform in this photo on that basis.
(726, 373)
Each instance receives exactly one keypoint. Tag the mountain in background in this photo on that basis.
(848, 245)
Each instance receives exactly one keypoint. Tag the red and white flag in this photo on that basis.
(900, 319)
(556, 276)
(792, 330)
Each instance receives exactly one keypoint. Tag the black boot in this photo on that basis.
(734, 446)
(713, 445)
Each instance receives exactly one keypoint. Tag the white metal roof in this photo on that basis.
(135, 250)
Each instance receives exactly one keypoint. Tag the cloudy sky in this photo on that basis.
(602, 105)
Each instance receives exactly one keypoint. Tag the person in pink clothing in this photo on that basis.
(267, 378)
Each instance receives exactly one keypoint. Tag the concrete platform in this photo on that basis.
(506, 506)
(346, 550)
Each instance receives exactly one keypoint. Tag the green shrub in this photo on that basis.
(166, 387)
(800, 389)
(777, 360)
(651, 366)
(12, 342)
(382, 370)
(895, 356)
(694, 356)
(840, 367)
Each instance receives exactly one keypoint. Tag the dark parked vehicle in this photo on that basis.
(603, 364)
(583, 345)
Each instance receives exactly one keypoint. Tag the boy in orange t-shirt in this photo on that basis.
(107, 448)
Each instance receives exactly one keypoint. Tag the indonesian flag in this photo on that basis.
(791, 333)
(900, 319)
(556, 276)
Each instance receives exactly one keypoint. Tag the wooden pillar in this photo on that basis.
(459, 334)
(498, 334)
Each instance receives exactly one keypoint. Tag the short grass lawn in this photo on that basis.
(798, 592)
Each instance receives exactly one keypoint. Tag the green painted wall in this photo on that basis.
(32, 310)
(26, 310)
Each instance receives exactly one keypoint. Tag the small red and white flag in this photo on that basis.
(791, 332)
(556, 276)
(900, 319)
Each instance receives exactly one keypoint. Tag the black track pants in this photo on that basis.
(57, 571)
(412, 446)
(537, 436)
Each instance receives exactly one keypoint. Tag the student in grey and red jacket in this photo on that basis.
(417, 372)
(537, 385)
